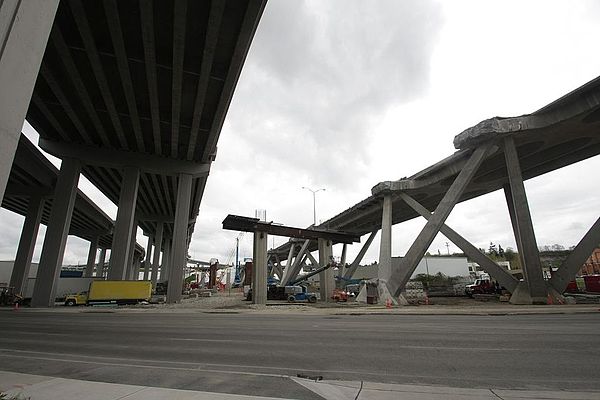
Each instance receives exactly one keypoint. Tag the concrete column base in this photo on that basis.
(384, 294)
(522, 296)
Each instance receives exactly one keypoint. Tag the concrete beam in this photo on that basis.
(488, 265)
(180, 237)
(567, 271)
(24, 30)
(408, 264)
(123, 225)
(29, 233)
(118, 159)
(56, 234)
(532, 267)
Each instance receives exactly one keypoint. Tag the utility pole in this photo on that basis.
(448, 247)
(314, 192)
(237, 262)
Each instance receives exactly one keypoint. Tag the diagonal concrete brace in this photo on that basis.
(500, 274)
(408, 264)
(567, 271)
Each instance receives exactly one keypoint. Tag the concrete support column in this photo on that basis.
(532, 268)
(166, 263)
(342, 266)
(326, 279)
(56, 234)
(385, 248)
(24, 30)
(180, 233)
(147, 261)
(158, 238)
(132, 243)
(29, 233)
(123, 225)
(136, 269)
(91, 259)
(100, 265)
(259, 269)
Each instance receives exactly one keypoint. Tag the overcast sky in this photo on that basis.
(344, 94)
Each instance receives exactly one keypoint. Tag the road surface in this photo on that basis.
(253, 354)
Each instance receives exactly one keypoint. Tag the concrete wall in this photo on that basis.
(451, 266)
(6, 268)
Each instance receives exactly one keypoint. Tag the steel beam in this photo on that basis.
(532, 268)
(57, 231)
(567, 271)
(408, 264)
(488, 265)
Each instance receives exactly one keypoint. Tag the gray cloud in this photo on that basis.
(319, 74)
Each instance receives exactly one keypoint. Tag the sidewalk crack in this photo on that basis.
(496, 394)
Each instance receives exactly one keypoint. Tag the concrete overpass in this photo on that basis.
(30, 193)
(132, 95)
(496, 154)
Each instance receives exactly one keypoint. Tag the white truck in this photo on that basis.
(65, 286)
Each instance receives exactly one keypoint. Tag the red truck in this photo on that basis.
(481, 286)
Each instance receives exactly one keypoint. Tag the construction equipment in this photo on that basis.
(275, 292)
(339, 295)
(299, 293)
(9, 297)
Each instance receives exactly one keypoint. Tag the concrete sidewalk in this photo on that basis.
(39, 387)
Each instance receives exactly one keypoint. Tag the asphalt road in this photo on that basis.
(254, 354)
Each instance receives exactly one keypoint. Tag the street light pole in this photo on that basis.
(314, 192)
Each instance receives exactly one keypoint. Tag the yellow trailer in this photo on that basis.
(119, 292)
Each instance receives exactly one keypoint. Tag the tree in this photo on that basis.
(492, 250)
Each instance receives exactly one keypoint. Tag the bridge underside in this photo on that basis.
(131, 94)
